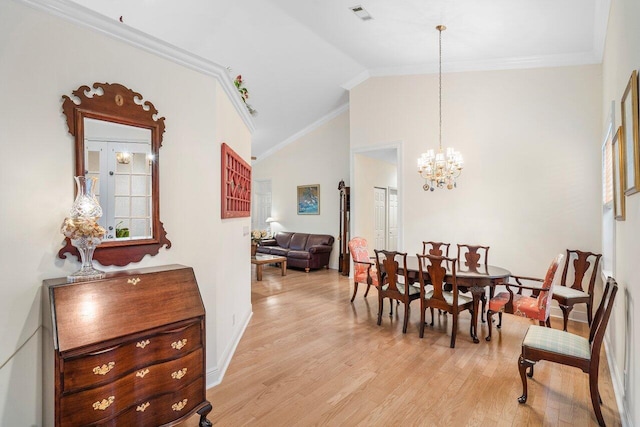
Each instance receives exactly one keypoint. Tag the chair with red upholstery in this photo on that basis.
(537, 306)
(364, 269)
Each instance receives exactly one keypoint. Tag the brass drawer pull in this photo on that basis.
(134, 281)
(142, 407)
(104, 369)
(142, 373)
(179, 344)
(179, 374)
(143, 344)
(179, 406)
(103, 404)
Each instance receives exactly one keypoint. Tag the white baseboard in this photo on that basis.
(618, 386)
(215, 375)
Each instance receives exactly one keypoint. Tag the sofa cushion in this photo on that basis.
(298, 254)
(298, 241)
(283, 238)
(319, 239)
(277, 250)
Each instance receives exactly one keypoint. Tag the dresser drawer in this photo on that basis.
(161, 409)
(107, 365)
(109, 400)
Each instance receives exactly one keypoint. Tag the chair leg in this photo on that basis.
(499, 325)
(471, 326)
(380, 304)
(391, 310)
(406, 319)
(595, 396)
(523, 364)
(454, 329)
(422, 319)
(355, 290)
(431, 316)
(589, 314)
(367, 291)
(489, 323)
(566, 309)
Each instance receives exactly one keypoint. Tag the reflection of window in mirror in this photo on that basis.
(120, 157)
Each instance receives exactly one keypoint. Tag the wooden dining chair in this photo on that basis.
(364, 269)
(537, 306)
(452, 302)
(473, 258)
(569, 349)
(435, 248)
(394, 285)
(582, 265)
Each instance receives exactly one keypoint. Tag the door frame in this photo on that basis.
(398, 146)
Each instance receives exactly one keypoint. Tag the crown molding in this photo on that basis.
(547, 61)
(87, 18)
(365, 75)
(313, 126)
(603, 8)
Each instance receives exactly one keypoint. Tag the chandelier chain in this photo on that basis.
(441, 169)
(440, 87)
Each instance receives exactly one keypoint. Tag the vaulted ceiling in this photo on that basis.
(299, 58)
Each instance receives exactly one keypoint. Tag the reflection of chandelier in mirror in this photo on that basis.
(123, 158)
(442, 168)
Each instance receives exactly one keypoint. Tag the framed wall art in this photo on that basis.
(309, 199)
(629, 106)
(617, 151)
(235, 193)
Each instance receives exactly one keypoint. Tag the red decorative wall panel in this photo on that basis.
(236, 184)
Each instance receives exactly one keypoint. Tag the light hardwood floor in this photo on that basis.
(309, 357)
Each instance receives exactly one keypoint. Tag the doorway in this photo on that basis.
(376, 196)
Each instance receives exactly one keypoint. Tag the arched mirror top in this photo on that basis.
(117, 137)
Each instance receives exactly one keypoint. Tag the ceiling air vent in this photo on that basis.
(361, 12)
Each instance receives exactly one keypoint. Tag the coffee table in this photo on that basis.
(261, 259)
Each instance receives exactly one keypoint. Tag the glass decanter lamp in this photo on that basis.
(82, 228)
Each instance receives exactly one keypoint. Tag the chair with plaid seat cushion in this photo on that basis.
(569, 349)
(532, 307)
(393, 284)
(581, 265)
(432, 272)
(364, 270)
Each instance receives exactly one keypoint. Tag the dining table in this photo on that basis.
(475, 279)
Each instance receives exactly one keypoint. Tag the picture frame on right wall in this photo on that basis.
(617, 155)
(629, 143)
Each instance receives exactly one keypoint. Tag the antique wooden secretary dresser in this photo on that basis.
(126, 350)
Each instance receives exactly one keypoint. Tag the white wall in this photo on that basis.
(41, 59)
(622, 55)
(369, 173)
(531, 184)
(319, 157)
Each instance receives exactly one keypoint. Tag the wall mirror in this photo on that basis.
(118, 136)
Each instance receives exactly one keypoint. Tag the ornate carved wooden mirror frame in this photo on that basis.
(115, 103)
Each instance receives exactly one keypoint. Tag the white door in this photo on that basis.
(380, 218)
(393, 220)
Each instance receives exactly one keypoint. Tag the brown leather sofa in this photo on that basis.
(303, 250)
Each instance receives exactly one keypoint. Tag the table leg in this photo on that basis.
(477, 292)
(283, 265)
(259, 272)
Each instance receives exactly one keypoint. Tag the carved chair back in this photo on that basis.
(472, 257)
(432, 270)
(388, 266)
(581, 265)
(435, 248)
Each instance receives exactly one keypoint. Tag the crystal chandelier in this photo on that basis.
(442, 168)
